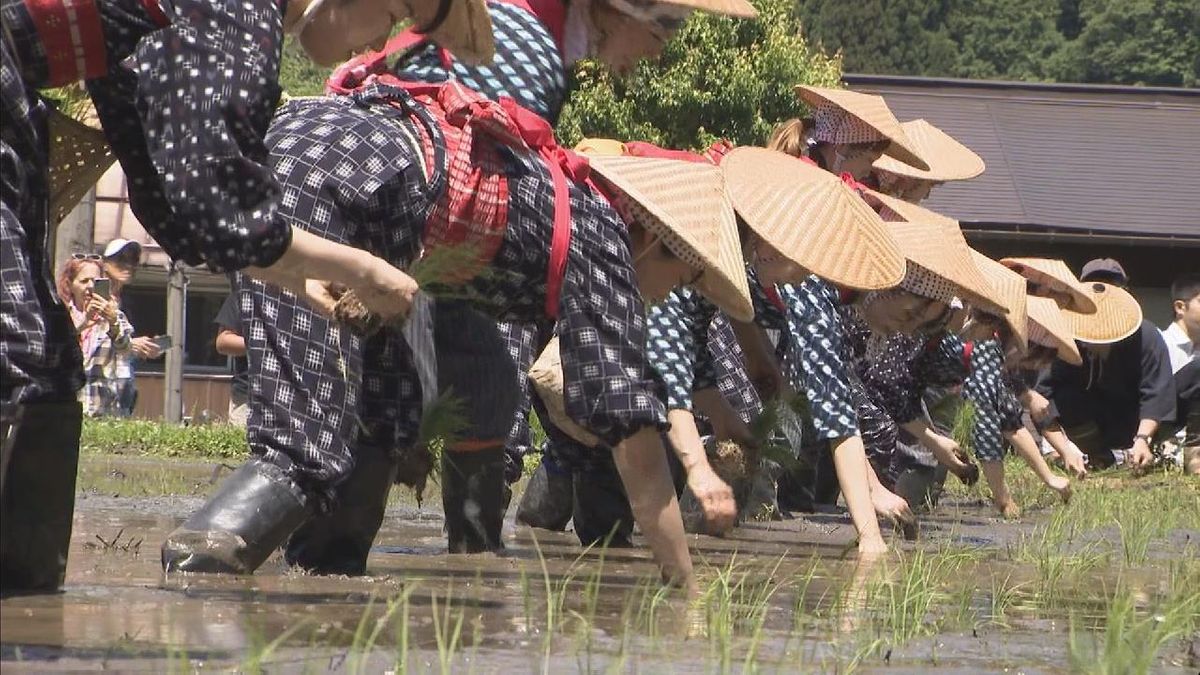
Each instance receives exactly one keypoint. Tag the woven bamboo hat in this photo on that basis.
(871, 110)
(1055, 275)
(463, 27)
(893, 208)
(812, 218)
(975, 285)
(79, 156)
(947, 158)
(1010, 288)
(686, 204)
(738, 8)
(1118, 315)
(1048, 326)
(939, 249)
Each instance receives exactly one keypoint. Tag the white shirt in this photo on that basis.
(1179, 346)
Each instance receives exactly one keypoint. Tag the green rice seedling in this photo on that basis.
(907, 603)
(736, 602)
(1003, 597)
(1132, 641)
(447, 631)
(369, 628)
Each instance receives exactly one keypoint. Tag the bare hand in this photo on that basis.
(1139, 456)
(321, 295)
(145, 348)
(388, 292)
(1073, 461)
(715, 498)
(96, 307)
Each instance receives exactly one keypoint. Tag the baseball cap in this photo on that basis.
(1106, 270)
(118, 246)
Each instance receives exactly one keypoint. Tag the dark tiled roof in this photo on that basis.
(1064, 158)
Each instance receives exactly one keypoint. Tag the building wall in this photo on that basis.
(204, 396)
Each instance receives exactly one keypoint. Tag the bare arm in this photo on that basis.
(642, 463)
(714, 494)
(230, 343)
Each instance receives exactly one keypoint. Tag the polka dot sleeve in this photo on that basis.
(815, 360)
(677, 345)
(186, 114)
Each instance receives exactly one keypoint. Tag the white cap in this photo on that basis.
(116, 246)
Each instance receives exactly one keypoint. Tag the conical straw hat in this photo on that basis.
(738, 8)
(947, 158)
(686, 204)
(79, 156)
(812, 218)
(872, 110)
(600, 146)
(1118, 315)
(1048, 326)
(893, 208)
(939, 248)
(1055, 275)
(1011, 289)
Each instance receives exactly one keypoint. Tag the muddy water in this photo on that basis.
(793, 598)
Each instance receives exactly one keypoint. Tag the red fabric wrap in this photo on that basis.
(352, 73)
(968, 348)
(773, 295)
(474, 209)
(73, 38)
(713, 154)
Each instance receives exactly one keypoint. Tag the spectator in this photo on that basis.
(104, 336)
(1105, 270)
(1123, 390)
(121, 259)
(1182, 337)
(1183, 334)
(232, 343)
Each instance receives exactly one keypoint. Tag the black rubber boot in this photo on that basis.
(549, 498)
(338, 543)
(601, 507)
(39, 496)
(473, 500)
(251, 515)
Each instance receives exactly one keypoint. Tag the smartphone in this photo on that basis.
(164, 342)
(103, 288)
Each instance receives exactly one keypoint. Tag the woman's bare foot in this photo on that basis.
(1062, 485)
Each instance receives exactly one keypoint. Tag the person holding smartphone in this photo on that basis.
(105, 335)
(121, 260)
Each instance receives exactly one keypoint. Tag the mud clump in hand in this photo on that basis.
(349, 311)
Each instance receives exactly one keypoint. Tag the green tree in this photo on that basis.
(718, 78)
(1004, 39)
(897, 37)
(1152, 42)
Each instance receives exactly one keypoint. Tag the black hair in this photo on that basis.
(1185, 287)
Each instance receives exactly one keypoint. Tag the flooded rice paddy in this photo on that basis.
(1110, 583)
